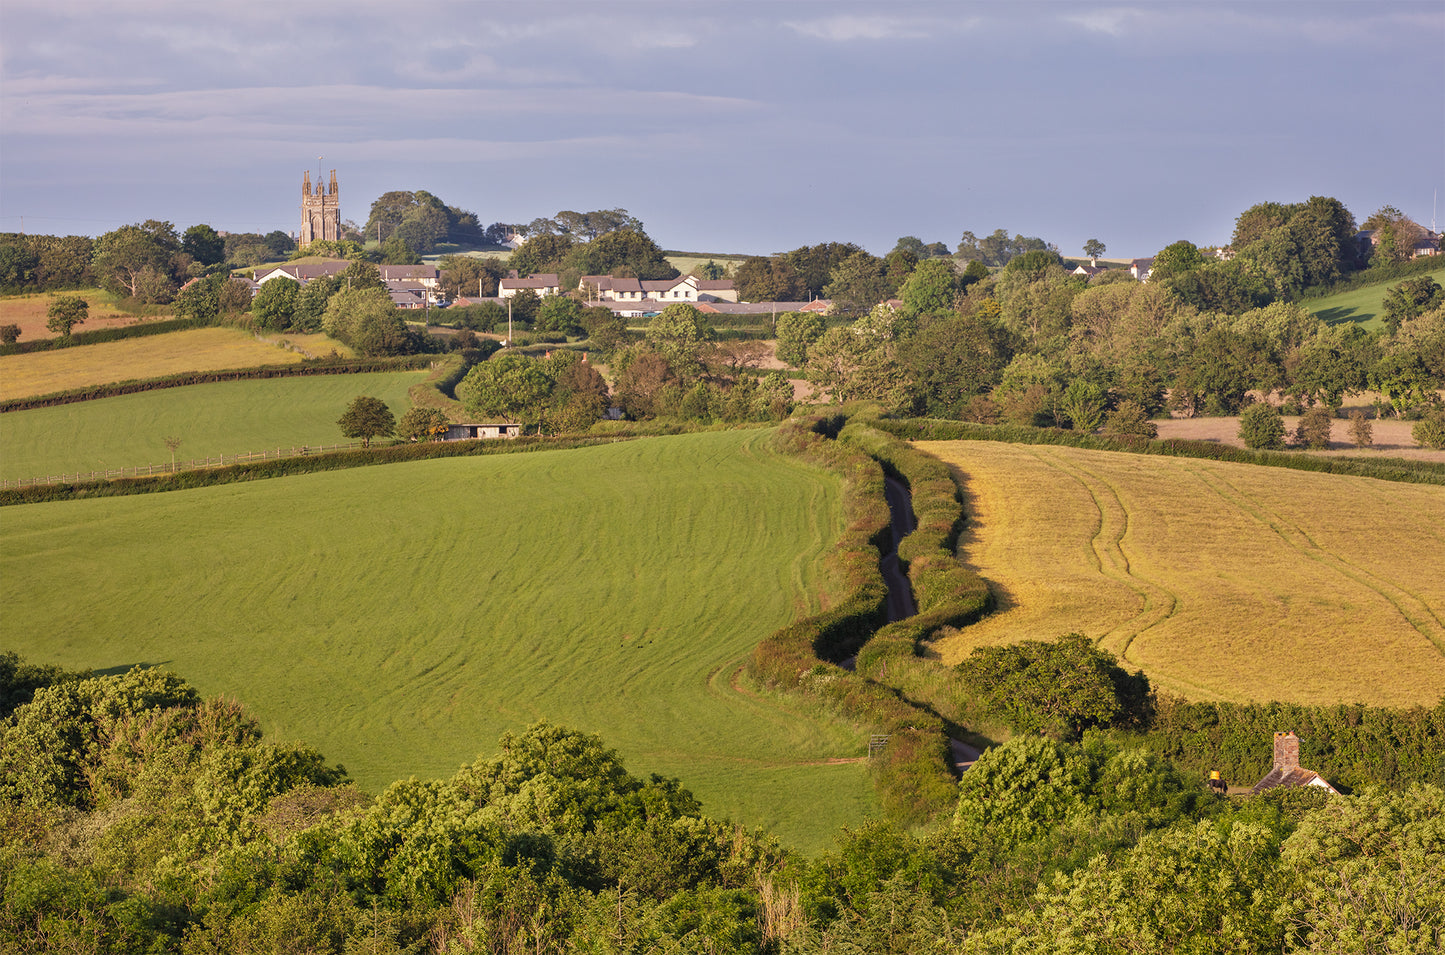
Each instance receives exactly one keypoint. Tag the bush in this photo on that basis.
(1131, 418)
(1313, 431)
(1261, 427)
(1429, 431)
(1361, 431)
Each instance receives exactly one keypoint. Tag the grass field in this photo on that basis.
(224, 417)
(1364, 305)
(1220, 581)
(400, 618)
(200, 349)
(29, 312)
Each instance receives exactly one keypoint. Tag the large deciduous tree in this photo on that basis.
(204, 244)
(796, 331)
(367, 418)
(138, 260)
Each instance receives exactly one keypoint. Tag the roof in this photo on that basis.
(1291, 776)
(397, 273)
(539, 280)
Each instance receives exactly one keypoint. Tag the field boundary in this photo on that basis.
(299, 464)
(195, 464)
(323, 366)
(1384, 469)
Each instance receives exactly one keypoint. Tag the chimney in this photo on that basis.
(1286, 751)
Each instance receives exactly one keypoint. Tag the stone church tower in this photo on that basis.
(320, 211)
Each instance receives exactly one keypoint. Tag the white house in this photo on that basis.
(543, 284)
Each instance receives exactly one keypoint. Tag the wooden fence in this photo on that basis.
(195, 464)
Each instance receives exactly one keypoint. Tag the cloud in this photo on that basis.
(849, 27)
(1108, 21)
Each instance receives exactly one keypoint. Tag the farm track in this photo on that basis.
(1112, 560)
(1413, 609)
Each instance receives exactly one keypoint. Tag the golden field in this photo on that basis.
(1220, 581)
(201, 349)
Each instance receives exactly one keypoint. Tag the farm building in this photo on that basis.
(1287, 771)
(468, 431)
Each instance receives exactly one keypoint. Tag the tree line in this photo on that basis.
(140, 817)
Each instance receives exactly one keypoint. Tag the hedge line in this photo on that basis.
(1385, 469)
(324, 366)
(911, 775)
(282, 467)
(100, 335)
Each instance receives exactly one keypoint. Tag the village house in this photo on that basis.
(544, 284)
(410, 286)
(687, 288)
(1287, 771)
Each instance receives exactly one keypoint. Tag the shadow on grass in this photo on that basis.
(127, 667)
(1341, 314)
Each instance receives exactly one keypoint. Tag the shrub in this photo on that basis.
(1313, 431)
(1361, 431)
(9, 334)
(1261, 427)
(1131, 418)
(1429, 431)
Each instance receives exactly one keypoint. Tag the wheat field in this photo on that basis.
(200, 349)
(1220, 581)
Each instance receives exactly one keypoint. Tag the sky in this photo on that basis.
(729, 126)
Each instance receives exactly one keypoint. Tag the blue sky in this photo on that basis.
(731, 125)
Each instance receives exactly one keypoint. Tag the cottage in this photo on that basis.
(1287, 771)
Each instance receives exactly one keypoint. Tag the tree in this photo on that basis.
(9, 334)
(1410, 299)
(858, 283)
(950, 359)
(1174, 259)
(796, 331)
(367, 320)
(1131, 419)
(66, 312)
(1362, 433)
(275, 303)
(1093, 249)
(1261, 427)
(509, 385)
(619, 252)
(1395, 235)
(137, 260)
(202, 243)
(422, 424)
(559, 313)
(1313, 430)
(1083, 405)
(173, 443)
(367, 418)
(678, 333)
(1429, 431)
(931, 288)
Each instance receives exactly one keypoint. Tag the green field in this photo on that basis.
(226, 417)
(1364, 305)
(401, 618)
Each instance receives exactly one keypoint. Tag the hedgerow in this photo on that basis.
(283, 467)
(1386, 469)
(325, 366)
(911, 774)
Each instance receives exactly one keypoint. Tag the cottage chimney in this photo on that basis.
(1286, 751)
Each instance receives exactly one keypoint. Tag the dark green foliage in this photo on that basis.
(1314, 427)
(1429, 431)
(1261, 428)
(66, 312)
(19, 680)
(366, 418)
(1411, 299)
(1060, 688)
(1351, 746)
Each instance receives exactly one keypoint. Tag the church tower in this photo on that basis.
(320, 211)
